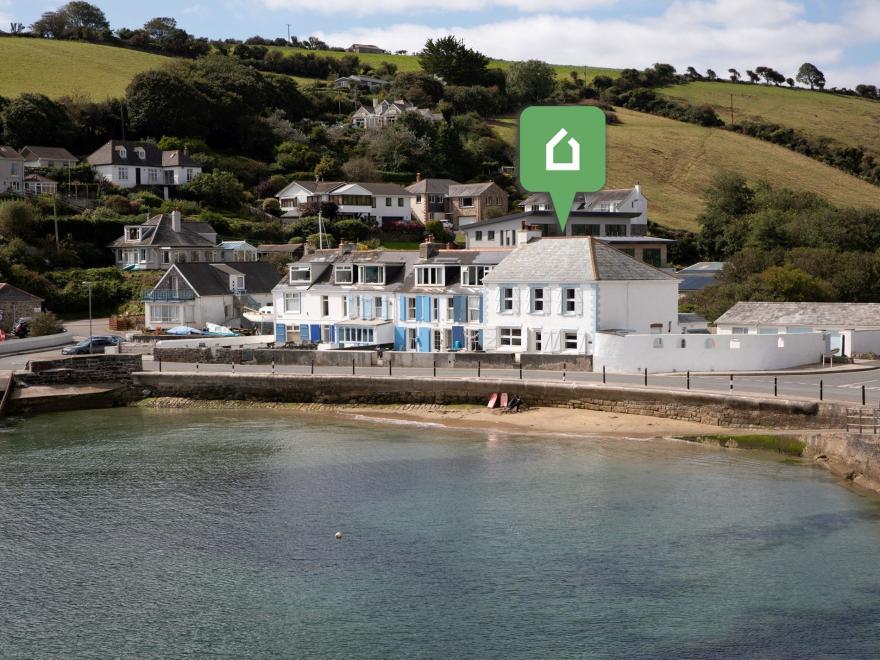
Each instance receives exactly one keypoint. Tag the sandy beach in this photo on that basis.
(567, 421)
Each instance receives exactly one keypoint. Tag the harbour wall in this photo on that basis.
(708, 408)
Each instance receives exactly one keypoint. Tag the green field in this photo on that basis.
(64, 68)
(674, 162)
(848, 119)
(411, 62)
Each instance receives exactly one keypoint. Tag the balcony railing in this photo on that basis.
(161, 295)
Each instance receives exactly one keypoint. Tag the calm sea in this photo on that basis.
(133, 533)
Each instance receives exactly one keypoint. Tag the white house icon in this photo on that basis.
(574, 164)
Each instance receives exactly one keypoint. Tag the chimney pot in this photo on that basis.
(175, 220)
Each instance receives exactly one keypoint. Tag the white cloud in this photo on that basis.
(711, 34)
(359, 7)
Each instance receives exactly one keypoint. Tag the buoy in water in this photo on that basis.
(338, 535)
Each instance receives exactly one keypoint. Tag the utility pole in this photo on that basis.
(89, 285)
(320, 231)
(55, 218)
(288, 34)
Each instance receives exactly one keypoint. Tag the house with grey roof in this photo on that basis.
(372, 202)
(196, 294)
(11, 169)
(37, 157)
(553, 295)
(619, 219)
(166, 239)
(360, 82)
(384, 113)
(127, 163)
(459, 203)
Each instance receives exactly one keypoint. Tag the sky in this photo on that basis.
(841, 37)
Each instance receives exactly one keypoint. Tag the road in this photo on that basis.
(839, 386)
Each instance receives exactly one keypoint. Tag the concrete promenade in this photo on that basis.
(841, 386)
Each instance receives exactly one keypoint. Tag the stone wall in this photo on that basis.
(265, 356)
(720, 409)
(81, 369)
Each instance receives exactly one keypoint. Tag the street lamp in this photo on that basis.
(89, 285)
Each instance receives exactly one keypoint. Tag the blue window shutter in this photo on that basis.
(332, 333)
(481, 339)
(459, 309)
(280, 333)
(304, 332)
(424, 340)
(482, 317)
(399, 338)
(316, 333)
(426, 308)
(401, 308)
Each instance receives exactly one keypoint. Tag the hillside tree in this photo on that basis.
(449, 58)
(531, 81)
(86, 21)
(809, 74)
(734, 75)
(753, 77)
(711, 75)
(51, 25)
(35, 119)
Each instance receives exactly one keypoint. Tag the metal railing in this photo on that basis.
(862, 420)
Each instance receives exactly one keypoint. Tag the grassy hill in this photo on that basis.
(411, 62)
(848, 119)
(59, 68)
(674, 162)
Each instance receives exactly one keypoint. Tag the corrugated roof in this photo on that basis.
(809, 314)
(561, 260)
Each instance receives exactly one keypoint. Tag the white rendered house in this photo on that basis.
(553, 295)
(127, 164)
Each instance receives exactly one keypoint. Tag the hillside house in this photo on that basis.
(373, 85)
(11, 170)
(196, 294)
(164, 240)
(36, 157)
(127, 164)
(15, 304)
(366, 48)
(371, 202)
(385, 112)
(37, 184)
(461, 204)
(698, 276)
(553, 295)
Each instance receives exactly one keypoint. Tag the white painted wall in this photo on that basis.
(196, 342)
(637, 304)
(633, 353)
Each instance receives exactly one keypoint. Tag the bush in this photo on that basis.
(436, 229)
(272, 205)
(45, 323)
(218, 189)
(328, 241)
(16, 218)
(186, 207)
(148, 199)
(351, 230)
(121, 204)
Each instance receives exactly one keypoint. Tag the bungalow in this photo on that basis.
(11, 170)
(385, 112)
(296, 196)
(360, 82)
(196, 294)
(553, 295)
(128, 164)
(461, 204)
(372, 202)
(164, 240)
(851, 328)
(366, 48)
(15, 304)
(47, 157)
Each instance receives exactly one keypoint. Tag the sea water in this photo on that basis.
(144, 533)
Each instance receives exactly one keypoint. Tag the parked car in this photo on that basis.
(92, 345)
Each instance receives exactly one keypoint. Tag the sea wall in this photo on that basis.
(853, 456)
(81, 369)
(265, 356)
(708, 408)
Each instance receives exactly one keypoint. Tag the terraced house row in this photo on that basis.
(546, 295)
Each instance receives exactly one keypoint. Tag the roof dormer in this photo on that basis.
(133, 233)
(122, 151)
(300, 274)
(140, 152)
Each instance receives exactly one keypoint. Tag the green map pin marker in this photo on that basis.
(562, 152)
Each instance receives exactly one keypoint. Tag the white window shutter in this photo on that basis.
(579, 302)
(560, 300)
(582, 343)
(490, 339)
(517, 294)
(554, 341)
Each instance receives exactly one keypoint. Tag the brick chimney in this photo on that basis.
(527, 232)
(175, 220)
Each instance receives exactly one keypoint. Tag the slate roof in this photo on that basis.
(108, 154)
(380, 188)
(213, 279)
(690, 317)
(548, 217)
(317, 187)
(429, 186)
(561, 260)
(695, 283)
(469, 189)
(47, 153)
(9, 153)
(706, 267)
(190, 234)
(809, 314)
(9, 293)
